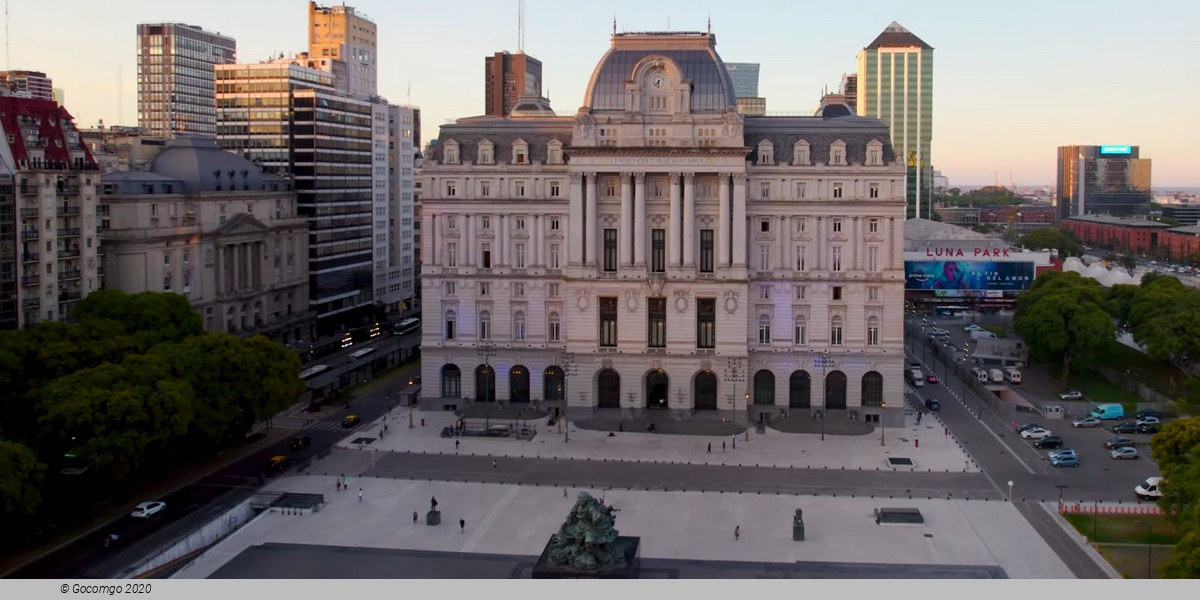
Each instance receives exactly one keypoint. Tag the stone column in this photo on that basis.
(237, 268)
(470, 239)
(784, 235)
(820, 259)
(591, 228)
(575, 219)
(462, 248)
(675, 242)
(854, 245)
(689, 220)
(428, 241)
(500, 252)
(537, 240)
(625, 253)
(639, 219)
(723, 216)
(740, 225)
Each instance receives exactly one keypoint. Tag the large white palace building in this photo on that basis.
(660, 251)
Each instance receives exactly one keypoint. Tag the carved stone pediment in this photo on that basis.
(764, 237)
(838, 237)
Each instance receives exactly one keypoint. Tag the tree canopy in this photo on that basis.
(1176, 448)
(1051, 238)
(1063, 318)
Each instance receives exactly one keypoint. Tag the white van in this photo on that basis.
(997, 375)
(982, 335)
(1012, 375)
(916, 377)
(1150, 489)
(980, 374)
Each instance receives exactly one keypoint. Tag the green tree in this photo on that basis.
(1185, 558)
(151, 317)
(1165, 319)
(1052, 238)
(1176, 448)
(1063, 319)
(20, 479)
(1120, 301)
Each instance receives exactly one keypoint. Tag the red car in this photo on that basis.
(931, 379)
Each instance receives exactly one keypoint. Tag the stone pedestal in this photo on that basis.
(433, 517)
(798, 526)
(630, 569)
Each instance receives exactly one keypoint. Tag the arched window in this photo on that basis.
(873, 331)
(764, 329)
(800, 331)
(519, 326)
(451, 381)
(764, 387)
(554, 329)
(799, 390)
(872, 389)
(835, 331)
(451, 324)
(485, 325)
(553, 383)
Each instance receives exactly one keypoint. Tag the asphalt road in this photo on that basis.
(682, 477)
(189, 507)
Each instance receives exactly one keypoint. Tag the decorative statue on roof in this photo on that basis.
(587, 540)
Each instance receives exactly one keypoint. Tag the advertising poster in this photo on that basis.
(967, 275)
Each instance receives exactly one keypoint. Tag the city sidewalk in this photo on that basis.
(515, 520)
(928, 444)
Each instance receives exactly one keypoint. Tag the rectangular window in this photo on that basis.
(801, 225)
(518, 288)
(554, 189)
(449, 288)
(520, 223)
(520, 188)
(764, 292)
(764, 190)
(801, 258)
(835, 258)
(485, 288)
(872, 225)
(706, 251)
(835, 333)
(837, 190)
(872, 335)
(555, 330)
(657, 324)
(552, 290)
(486, 261)
(801, 292)
(451, 188)
(658, 250)
(608, 322)
(485, 222)
(874, 190)
(554, 256)
(800, 333)
(554, 224)
(764, 225)
(706, 322)
(451, 254)
(520, 258)
(837, 292)
(450, 323)
(873, 259)
(610, 250)
(837, 225)
(801, 190)
(519, 329)
(764, 258)
(873, 293)
(485, 189)
(764, 329)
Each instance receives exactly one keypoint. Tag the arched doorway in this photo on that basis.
(451, 381)
(835, 391)
(554, 384)
(608, 386)
(872, 389)
(657, 385)
(764, 387)
(799, 390)
(485, 384)
(706, 391)
(518, 384)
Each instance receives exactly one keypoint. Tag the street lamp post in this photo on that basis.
(823, 361)
(1010, 484)
(882, 405)
(735, 375)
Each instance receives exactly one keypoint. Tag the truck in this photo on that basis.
(1108, 411)
(980, 374)
(915, 377)
(1012, 375)
(997, 375)
(984, 334)
(1150, 489)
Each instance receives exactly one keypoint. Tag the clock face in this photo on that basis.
(658, 81)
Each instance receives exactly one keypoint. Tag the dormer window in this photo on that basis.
(487, 154)
(520, 152)
(554, 154)
(874, 154)
(766, 153)
(837, 153)
(800, 153)
(450, 155)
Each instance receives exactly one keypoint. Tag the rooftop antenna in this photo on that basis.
(614, 24)
(408, 97)
(710, 23)
(521, 26)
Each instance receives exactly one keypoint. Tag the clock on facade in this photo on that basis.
(658, 80)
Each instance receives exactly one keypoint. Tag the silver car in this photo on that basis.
(1123, 452)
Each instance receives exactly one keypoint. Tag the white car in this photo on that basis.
(973, 327)
(1148, 421)
(1087, 422)
(1036, 433)
(1124, 452)
(1071, 395)
(939, 332)
(146, 509)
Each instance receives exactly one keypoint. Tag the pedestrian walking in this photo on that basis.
(737, 533)
(710, 447)
(462, 525)
(493, 463)
(735, 442)
(360, 494)
(722, 446)
(433, 503)
(456, 444)
(414, 518)
(338, 483)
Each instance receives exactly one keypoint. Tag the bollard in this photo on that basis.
(422, 422)
(916, 442)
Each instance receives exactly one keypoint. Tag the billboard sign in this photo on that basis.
(967, 275)
(1116, 149)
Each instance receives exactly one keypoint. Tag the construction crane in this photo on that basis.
(1012, 185)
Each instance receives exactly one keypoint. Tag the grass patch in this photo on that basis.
(1098, 390)
(1162, 377)
(1131, 561)
(1000, 330)
(1125, 529)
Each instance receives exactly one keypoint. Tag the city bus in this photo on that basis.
(361, 353)
(950, 311)
(406, 326)
(311, 372)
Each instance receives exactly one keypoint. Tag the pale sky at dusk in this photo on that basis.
(1012, 80)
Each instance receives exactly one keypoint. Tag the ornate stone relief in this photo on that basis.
(631, 300)
(581, 300)
(731, 302)
(681, 300)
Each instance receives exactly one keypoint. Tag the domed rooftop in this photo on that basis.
(532, 105)
(203, 166)
(693, 52)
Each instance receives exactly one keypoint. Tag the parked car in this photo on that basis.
(148, 509)
(351, 421)
(1050, 441)
(1147, 428)
(1125, 427)
(932, 404)
(1148, 413)
(1148, 421)
(1087, 422)
(1118, 442)
(1071, 395)
(300, 442)
(939, 332)
(932, 379)
(1063, 453)
(278, 463)
(1036, 433)
(973, 327)
(1124, 452)
(1064, 461)
(1021, 428)
(1150, 489)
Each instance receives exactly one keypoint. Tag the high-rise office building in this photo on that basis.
(507, 78)
(28, 84)
(395, 272)
(49, 243)
(342, 33)
(744, 77)
(895, 85)
(291, 119)
(849, 89)
(1102, 180)
(175, 78)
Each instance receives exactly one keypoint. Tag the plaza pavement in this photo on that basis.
(928, 444)
(518, 520)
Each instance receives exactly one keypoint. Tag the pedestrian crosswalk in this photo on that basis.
(325, 425)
